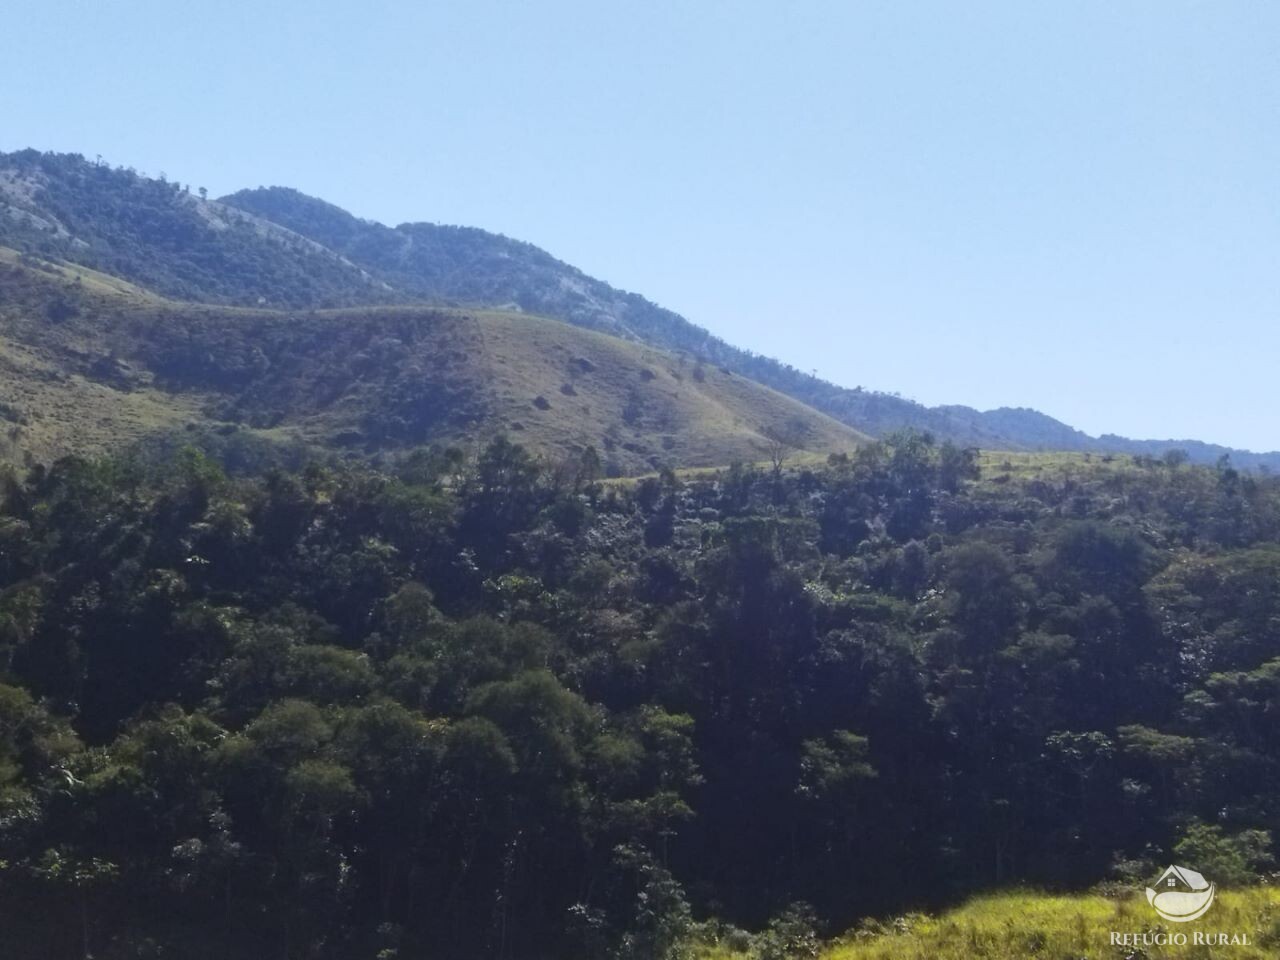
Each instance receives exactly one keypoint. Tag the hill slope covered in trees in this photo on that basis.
(479, 709)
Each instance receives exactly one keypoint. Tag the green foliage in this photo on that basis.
(790, 936)
(832, 766)
(1234, 860)
(487, 706)
(661, 921)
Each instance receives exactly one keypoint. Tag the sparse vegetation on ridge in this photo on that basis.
(119, 366)
(276, 247)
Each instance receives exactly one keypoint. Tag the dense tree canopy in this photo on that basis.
(491, 707)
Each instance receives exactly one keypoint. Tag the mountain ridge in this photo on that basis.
(278, 247)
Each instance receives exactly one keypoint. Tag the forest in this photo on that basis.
(485, 704)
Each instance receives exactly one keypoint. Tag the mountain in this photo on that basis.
(276, 247)
(91, 362)
(160, 235)
(466, 265)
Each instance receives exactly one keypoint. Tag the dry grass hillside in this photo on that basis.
(92, 362)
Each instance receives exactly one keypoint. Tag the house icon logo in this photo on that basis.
(1181, 895)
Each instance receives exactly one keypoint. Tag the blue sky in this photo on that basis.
(1071, 206)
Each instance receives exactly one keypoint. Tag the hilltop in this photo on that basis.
(92, 362)
(276, 247)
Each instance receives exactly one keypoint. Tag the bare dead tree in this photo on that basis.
(782, 441)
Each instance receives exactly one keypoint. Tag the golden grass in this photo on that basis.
(1021, 924)
(552, 387)
(1021, 465)
(1024, 925)
(102, 284)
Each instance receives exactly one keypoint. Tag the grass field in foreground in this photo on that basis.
(1022, 925)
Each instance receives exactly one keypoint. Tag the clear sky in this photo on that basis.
(1065, 205)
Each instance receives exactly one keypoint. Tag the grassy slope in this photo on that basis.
(1021, 925)
(649, 402)
(49, 406)
(101, 284)
(1024, 465)
(127, 364)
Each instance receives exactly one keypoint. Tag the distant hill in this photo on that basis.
(465, 265)
(91, 363)
(1038, 432)
(276, 247)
